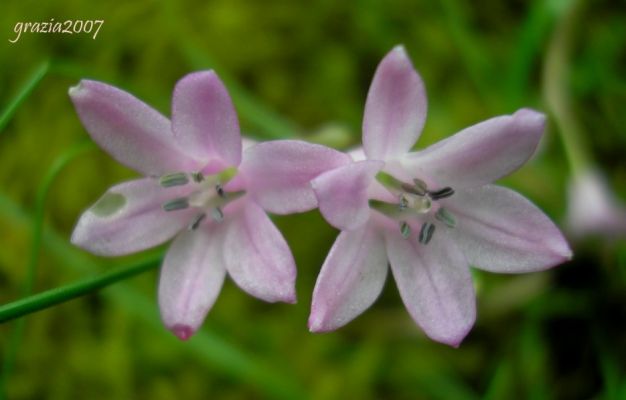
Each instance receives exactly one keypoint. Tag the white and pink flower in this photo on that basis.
(189, 193)
(429, 214)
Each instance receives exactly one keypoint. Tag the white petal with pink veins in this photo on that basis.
(351, 279)
(129, 217)
(435, 284)
(501, 231)
(191, 278)
(395, 110)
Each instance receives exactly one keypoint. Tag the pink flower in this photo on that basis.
(219, 225)
(430, 213)
(593, 208)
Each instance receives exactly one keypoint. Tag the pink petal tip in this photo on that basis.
(183, 332)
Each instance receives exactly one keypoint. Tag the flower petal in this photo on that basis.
(278, 173)
(395, 110)
(351, 279)
(257, 256)
(129, 130)
(191, 278)
(129, 218)
(343, 193)
(501, 231)
(482, 153)
(435, 284)
(204, 119)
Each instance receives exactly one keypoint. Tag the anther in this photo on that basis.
(197, 177)
(405, 230)
(446, 217)
(217, 214)
(441, 193)
(426, 233)
(220, 190)
(420, 185)
(196, 221)
(175, 179)
(177, 204)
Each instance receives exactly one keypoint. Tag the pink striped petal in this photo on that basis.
(257, 256)
(351, 279)
(435, 284)
(129, 218)
(343, 193)
(501, 231)
(191, 278)
(204, 119)
(395, 110)
(278, 173)
(129, 130)
(482, 153)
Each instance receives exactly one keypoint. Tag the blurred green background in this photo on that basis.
(302, 69)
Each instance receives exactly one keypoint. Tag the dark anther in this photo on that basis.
(441, 193)
(196, 222)
(219, 190)
(426, 233)
(197, 177)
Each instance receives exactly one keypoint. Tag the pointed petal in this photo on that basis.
(129, 218)
(351, 279)
(257, 256)
(204, 119)
(343, 193)
(501, 231)
(191, 278)
(435, 284)
(482, 153)
(129, 130)
(278, 173)
(395, 110)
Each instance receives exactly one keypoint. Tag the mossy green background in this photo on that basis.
(302, 69)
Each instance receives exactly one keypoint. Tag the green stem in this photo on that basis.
(42, 193)
(216, 353)
(555, 86)
(61, 294)
(35, 249)
(22, 95)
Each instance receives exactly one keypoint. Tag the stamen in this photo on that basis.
(420, 185)
(404, 203)
(446, 217)
(175, 179)
(227, 174)
(177, 204)
(417, 204)
(390, 182)
(220, 190)
(217, 214)
(196, 222)
(405, 230)
(441, 193)
(426, 233)
(197, 177)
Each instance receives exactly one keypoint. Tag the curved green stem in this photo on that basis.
(61, 294)
(35, 249)
(40, 72)
(42, 193)
(555, 87)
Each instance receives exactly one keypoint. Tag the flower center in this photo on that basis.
(415, 202)
(207, 194)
